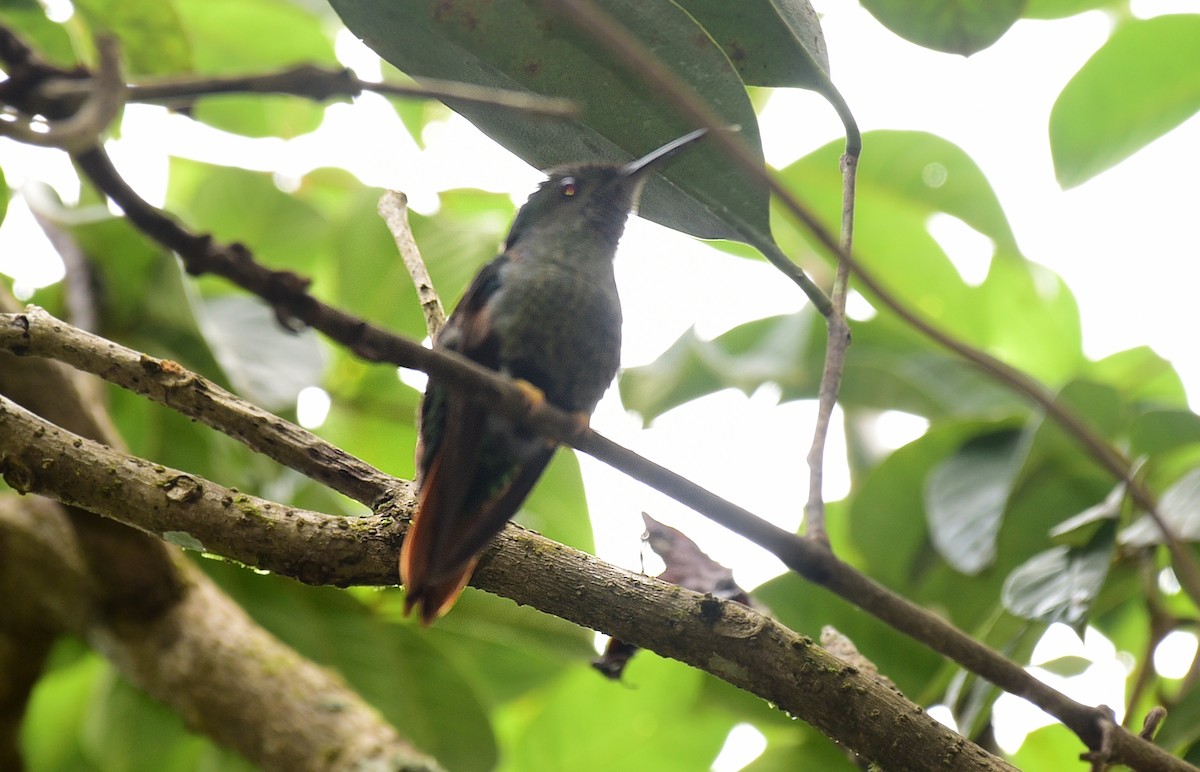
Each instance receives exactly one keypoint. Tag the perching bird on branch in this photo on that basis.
(546, 313)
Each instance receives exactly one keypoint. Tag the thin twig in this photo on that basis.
(393, 208)
(82, 129)
(624, 47)
(837, 341)
(322, 83)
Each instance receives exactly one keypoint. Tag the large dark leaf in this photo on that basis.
(771, 42)
(509, 44)
(955, 26)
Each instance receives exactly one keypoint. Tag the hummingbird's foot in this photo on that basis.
(534, 397)
(582, 422)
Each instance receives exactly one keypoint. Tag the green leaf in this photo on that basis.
(557, 507)
(1158, 431)
(266, 363)
(887, 368)
(775, 43)
(126, 730)
(236, 205)
(1058, 585)
(1058, 9)
(1055, 451)
(464, 234)
(152, 38)
(143, 300)
(240, 36)
(1017, 303)
(1142, 376)
(1179, 507)
(1067, 665)
(506, 650)
(779, 349)
(800, 747)
(954, 26)
(372, 415)
(905, 178)
(5, 193)
(1078, 530)
(58, 706)
(1046, 748)
(1181, 728)
(1142, 83)
(509, 44)
(50, 39)
(584, 722)
(965, 498)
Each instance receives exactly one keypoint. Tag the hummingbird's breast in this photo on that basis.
(560, 328)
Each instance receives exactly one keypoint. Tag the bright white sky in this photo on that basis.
(1125, 243)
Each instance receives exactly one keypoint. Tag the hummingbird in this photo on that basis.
(546, 313)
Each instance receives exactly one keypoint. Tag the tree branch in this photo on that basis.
(132, 598)
(204, 658)
(34, 333)
(319, 84)
(724, 638)
(393, 208)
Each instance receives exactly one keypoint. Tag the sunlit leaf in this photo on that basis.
(241, 36)
(151, 35)
(655, 721)
(236, 205)
(800, 747)
(52, 725)
(1058, 9)
(1046, 748)
(1141, 84)
(887, 368)
(1142, 375)
(50, 39)
(1067, 665)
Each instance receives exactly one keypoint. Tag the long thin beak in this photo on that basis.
(654, 158)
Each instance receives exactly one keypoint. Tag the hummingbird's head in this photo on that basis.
(589, 201)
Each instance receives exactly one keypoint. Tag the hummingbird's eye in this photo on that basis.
(568, 187)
